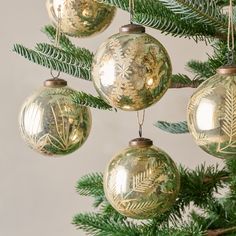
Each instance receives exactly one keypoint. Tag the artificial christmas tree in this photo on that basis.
(194, 19)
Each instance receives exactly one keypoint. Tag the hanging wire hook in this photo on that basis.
(230, 38)
(131, 10)
(141, 122)
(57, 40)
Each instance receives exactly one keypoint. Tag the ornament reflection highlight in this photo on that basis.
(52, 124)
(141, 182)
(212, 116)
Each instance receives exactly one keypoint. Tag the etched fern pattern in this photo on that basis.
(131, 71)
(52, 124)
(137, 186)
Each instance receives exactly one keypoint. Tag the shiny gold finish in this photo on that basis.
(227, 70)
(55, 83)
(141, 182)
(132, 28)
(81, 18)
(212, 115)
(131, 71)
(52, 124)
(141, 142)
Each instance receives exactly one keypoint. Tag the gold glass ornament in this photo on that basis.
(51, 123)
(131, 70)
(141, 181)
(212, 114)
(81, 18)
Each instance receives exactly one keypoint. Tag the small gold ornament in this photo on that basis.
(81, 18)
(212, 114)
(131, 70)
(51, 123)
(141, 181)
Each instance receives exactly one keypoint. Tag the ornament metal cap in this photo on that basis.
(141, 142)
(55, 83)
(132, 28)
(227, 70)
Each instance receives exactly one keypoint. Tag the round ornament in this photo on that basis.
(80, 18)
(51, 123)
(141, 181)
(131, 70)
(212, 114)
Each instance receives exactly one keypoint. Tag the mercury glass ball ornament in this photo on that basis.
(212, 114)
(141, 181)
(131, 70)
(51, 123)
(81, 18)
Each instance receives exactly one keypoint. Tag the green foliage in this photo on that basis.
(202, 11)
(81, 54)
(162, 15)
(173, 128)
(104, 225)
(197, 186)
(183, 81)
(204, 70)
(90, 101)
(55, 59)
(91, 185)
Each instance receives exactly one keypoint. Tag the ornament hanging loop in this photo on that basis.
(231, 44)
(57, 41)
(141, 122)
(131, 10)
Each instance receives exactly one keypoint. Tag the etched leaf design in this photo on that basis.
(146, 180)
(229, 122)
(138, 208)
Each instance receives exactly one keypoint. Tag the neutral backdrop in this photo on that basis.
(37, 194)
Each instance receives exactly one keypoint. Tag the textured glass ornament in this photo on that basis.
(81, 18)
(52, 124)
(212, 114)
(141, 181)
(131, 70)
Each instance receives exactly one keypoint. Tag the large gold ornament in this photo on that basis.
(81, 18)
(212, 114)
(131, 70)
(51, 123)
(141, 181)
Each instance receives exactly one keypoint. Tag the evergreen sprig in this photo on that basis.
(91, 185)
(173, 128)
(90, 101)
(55, 61)
(104, 225)
(159, 15)
(202, 11)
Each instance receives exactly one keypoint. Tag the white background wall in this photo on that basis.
(37, 195)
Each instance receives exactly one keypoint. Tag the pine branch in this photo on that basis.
(183, 81)
(82, 54)
(63, 56)
(155, 14)
(101, 225)
(202, 11)
(91, 185)
(64, 42)
(207, 69)
(199, 185)
(50, 62)
(173, 128)
(90, 101)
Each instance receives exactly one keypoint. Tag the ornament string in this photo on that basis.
(141, 122)
(57, 40)
(131, 10)
(231, 44)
